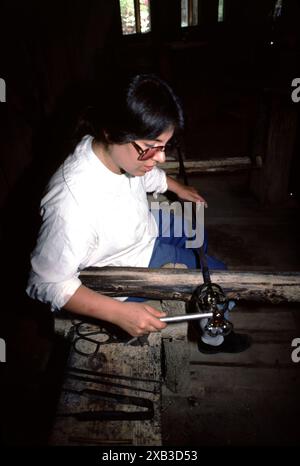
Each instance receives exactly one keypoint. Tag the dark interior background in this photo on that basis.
(53, 54)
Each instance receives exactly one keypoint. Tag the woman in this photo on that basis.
(95, 211)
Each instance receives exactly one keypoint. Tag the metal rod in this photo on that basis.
(180, 318)
(184, 317)
(201, 254)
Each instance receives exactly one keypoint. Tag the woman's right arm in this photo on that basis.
(63, 244)
(135, 318)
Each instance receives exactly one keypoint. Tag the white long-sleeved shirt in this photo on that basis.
(91, 217)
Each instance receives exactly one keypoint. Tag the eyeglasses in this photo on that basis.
(145, 154)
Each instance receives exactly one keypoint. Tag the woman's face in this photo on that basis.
(125, 156)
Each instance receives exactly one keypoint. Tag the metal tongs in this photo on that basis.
(210, 298)
(210, 302)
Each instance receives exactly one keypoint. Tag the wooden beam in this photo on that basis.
(180, 283)
(206, 166)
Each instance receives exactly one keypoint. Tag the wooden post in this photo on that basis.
(270, 183)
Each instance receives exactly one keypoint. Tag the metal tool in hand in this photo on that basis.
(143, 340)
(210, 302)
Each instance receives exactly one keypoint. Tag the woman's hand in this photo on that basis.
(138, 318)
(186, 193)
(189, 193)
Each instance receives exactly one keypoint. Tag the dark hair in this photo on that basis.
(142, 107)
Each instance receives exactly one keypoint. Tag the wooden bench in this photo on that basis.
(111, 393)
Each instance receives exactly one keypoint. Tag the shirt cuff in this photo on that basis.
(65, 292)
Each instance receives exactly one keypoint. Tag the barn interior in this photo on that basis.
(234, 65)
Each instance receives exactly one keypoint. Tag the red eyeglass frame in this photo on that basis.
(146, 154)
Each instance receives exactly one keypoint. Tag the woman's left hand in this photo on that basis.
(189, 193)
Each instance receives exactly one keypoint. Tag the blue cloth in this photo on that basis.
(173, 249)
